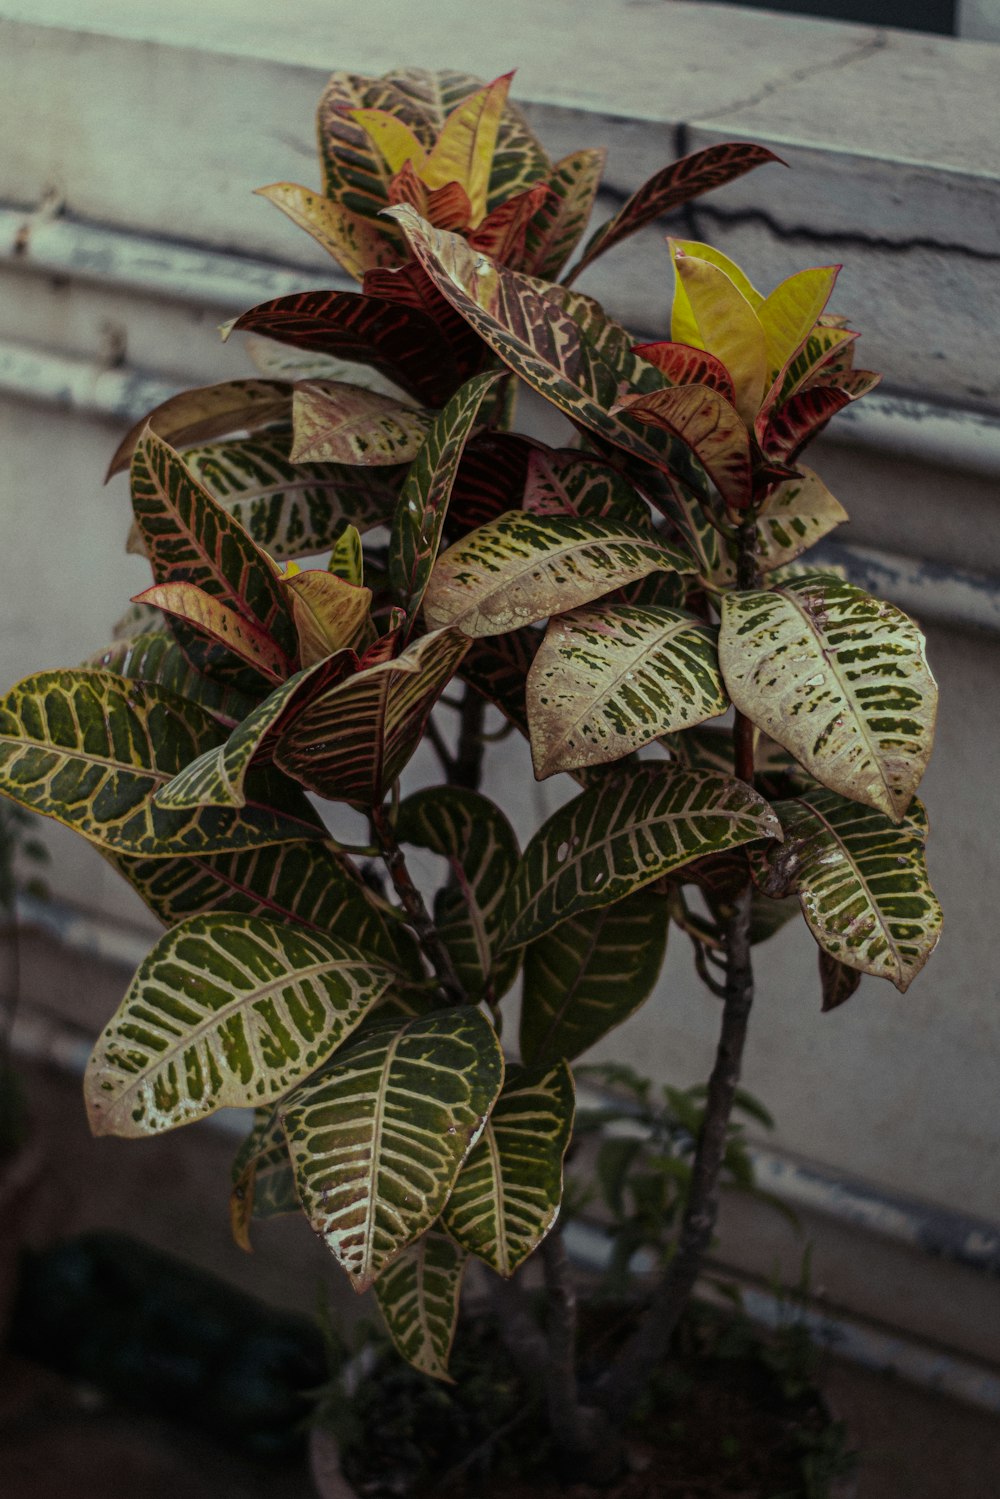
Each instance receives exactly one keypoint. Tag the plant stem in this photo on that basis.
(467, 764)
(649, 1344)
(562, 1393)
(413, 904)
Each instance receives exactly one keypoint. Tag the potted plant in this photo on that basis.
(607, 599)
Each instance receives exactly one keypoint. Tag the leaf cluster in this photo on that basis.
(608, 598)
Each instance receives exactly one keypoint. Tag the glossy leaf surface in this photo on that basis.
(590, 974)
(378, 1142)
(218, 624)
(338, 423)
(90, 749)
(862, 883)
(612, 677)
(621, 835)
(521, 568)
(226, 1011)
(506, 1196)
(838, 678)
(705, 422)
(356, 243)
(418, 1296)
(155, 657)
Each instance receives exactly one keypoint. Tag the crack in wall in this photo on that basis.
(853, 238)
(857, 53)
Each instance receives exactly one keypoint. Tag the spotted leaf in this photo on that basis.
(340, 423)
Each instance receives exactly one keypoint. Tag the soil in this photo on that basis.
(731, 1417)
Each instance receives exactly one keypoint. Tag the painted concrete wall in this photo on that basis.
(162, 124)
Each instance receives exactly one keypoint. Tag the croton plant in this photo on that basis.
(611, 600)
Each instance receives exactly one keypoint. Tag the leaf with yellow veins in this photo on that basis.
(356, 244)
(464, 150)
(329, 613)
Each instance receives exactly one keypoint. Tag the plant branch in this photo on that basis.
(649, 1344)
(413, 904)
(467, 763)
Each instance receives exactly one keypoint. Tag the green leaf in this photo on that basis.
(506, 1196)
(418, 1296)
(292, 509)
(475, 837)
(670, 187)
(209, 411)
(557, 225)
(304, 883)
(403, 343)
(423, 503)
(610, 678)
(521, 568)
(91, 749)
(355, 172)
(217, 778)
(263, 1177)
(353, 741)
(621, 835)
(561, 344)
(590, 974)
(862, 883)
(226, 1011)
(191, 539)
(838, 678)
(378, 1142)
(341, 423)
(155, 657)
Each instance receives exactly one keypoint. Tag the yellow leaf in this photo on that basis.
(330, 614)
(727, 326)
(683, 328)
(789, 314)
(394, 140)
(463, 152)
(354, 242)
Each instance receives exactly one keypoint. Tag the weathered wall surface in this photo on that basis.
(147, 133)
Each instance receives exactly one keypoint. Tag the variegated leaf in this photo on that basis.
(356, 174)
(378, 1142)
(705, 422)
(418, 1296)
(823, 347)
(464, 149)
(209, 411)
(423, 502)
(805, 415)
(90, 749)
(263, 1177)
(559, 221)
(294, 510)
(670, 187)
(838, 678)
(862, 883)
(564, 482)
(401, 342)
(497, 667)
(340, 423)
(190, 538)
(303, 883)
(490, 479)
(521, 568)
(613, 677)
(795, 515)
(507, 1195)
(475, 837)
(353, 741)
(330, 614)
(590, 974)
(219, 625)
(357, 244)
(684, 365)
(217, 778)
(621, 835)
(226, 1012)
(347, 558)
(503, 232)
(154, 656)
(558, 342)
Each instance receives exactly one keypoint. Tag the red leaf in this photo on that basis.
(683, 365)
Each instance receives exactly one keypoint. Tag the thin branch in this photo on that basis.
(467, 764)
(562, 1393)
(701, 968)
(413, 904)
(441, 749)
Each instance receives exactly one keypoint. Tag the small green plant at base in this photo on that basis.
(610, 600)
